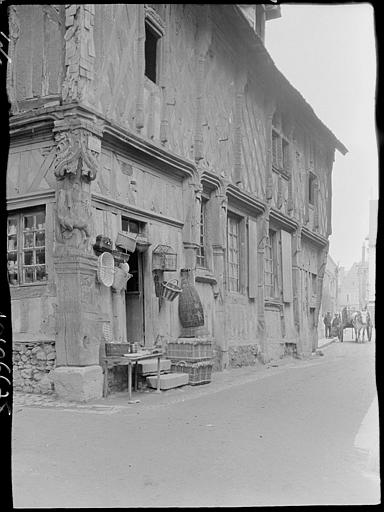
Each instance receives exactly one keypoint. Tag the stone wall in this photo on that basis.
(32, 363)
(243, 355)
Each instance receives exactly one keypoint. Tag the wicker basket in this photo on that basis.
(116, 349)
(105, 269)
(199, 373)
(169, 290)
(191, 350)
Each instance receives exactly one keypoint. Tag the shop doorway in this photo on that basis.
(134, 300)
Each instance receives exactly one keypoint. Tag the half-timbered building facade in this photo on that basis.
(172, 123)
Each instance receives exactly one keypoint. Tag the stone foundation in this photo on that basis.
(32, 364)
(78, 383)
(243, 355)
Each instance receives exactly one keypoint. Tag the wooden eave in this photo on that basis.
(244, 201)
(282, 220)
(315, 238)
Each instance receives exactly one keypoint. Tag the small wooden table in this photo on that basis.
(128, 360)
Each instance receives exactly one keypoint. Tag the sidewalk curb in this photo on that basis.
(333, 340)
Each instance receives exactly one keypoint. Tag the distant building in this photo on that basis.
(353, 290)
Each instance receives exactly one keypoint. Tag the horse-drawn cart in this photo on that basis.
(352, 318)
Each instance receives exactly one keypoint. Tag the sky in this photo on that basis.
(328, 53)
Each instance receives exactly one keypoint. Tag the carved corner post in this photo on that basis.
(218, 230)
(14, 33)
(297, 287)
(78, 375)
(78, 84)
(140, 60)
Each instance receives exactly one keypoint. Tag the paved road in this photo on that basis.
(285, 437)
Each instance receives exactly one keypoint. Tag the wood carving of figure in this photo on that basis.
(74, 169)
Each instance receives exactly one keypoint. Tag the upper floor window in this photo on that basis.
(311, 188)
(280, 151)
(201, 252)
(151, 51)
(154, 30)
(26, 247)
(132, 226)
(233, 253)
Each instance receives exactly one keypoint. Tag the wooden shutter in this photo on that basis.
(286, 257)
(252, 259)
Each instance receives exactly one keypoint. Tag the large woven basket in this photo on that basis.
(199, 373)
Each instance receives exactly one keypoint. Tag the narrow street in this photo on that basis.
(283, 437)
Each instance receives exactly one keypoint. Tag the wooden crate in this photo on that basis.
(199, 373)
(190, 349)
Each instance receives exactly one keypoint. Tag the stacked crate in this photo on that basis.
(193, 356)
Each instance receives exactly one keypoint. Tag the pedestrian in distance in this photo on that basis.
(328, 324)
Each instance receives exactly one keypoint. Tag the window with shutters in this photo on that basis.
(26, 247)
(233, 253)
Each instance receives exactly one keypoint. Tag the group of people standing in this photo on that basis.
(332, 325)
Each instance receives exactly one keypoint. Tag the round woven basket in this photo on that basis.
(106, 269)
(170, 290)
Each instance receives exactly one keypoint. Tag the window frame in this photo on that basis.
(21, 249)
(201, 253)
(273, 246)
(153, 23)
(234, 220)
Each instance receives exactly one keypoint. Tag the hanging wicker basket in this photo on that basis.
(105, 269)
(170, 290)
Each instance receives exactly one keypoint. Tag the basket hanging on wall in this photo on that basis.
(169, 290)
(105, 269)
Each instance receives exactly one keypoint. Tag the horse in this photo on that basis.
(362, 324)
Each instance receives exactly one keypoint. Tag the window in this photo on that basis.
(311, 188)
(201, 254)
(26, 247)
(131, 226)
(280, 152)
(233, 253)
(151, 50)
(314, 284)
(272, 266)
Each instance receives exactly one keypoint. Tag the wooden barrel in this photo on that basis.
(191, 312)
